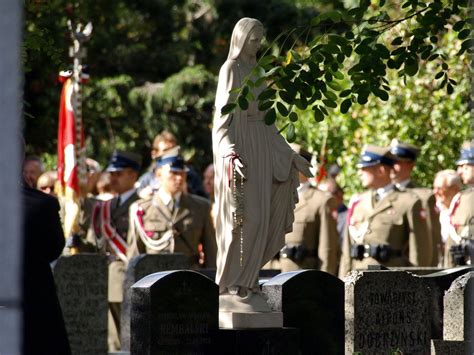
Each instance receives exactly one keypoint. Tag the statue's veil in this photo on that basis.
(239, 35)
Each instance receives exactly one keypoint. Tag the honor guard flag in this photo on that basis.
(69, 184)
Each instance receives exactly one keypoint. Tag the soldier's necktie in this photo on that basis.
(117, 204)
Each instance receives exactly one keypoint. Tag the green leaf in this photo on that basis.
(397, 41)
(286, 96)
(411, 66)
(450, 89)
(264, 61)
(228, 108)
(433, 57)
(434, 39)
(439, 75)
(243, 103)
(334, 85)
(330, 103)
(349, 35)
(293, 117)
(267, 94)
(330, 95)
(345, 105)
(362, 99)
(345, 93)
(318, 115)
(282, 109)
(290, 133)
(323, 110)
(265, 105)
(270, 117)
(445, 66)
(381, 94)
(338, 75)
(464, 34)
(245, 91)
(459, 25)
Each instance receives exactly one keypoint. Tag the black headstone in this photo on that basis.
(312, 301)
(140, 266)
(174, 312)
(439, 283)
(81, 283)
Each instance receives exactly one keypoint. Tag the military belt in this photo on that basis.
(297, 253)
(380, 252)
(463, 253)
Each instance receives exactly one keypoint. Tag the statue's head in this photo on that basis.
(245, 28)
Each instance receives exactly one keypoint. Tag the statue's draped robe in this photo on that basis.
(269, 189)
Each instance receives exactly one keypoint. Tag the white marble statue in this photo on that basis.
(256, 177)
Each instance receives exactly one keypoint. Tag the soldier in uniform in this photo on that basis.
(384, 226)
(460, 244)
(108, 232)
(171, 220)
(313, 243)
(405, 160)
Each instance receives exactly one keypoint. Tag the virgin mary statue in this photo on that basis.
(256, 177)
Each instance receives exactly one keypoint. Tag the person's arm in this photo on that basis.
(419, 240)
(209, 240)
(328, 238)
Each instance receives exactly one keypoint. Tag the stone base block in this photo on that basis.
(450, 347)
(233, 320)
(276, 341)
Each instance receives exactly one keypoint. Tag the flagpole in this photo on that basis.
(72, 174)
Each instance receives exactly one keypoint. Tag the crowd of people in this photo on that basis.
(170, 208)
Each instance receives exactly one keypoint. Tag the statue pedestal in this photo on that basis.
(275, 341)
(232, 320)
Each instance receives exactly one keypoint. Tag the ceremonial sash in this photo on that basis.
(457, 238)
(357, 234)
(103, 228)
(138, 227)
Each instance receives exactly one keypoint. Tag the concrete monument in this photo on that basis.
(256, 176)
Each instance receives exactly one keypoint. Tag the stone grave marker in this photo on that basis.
(140, 266)
(439, 283)
(174, 312)
(313, 302)
(386, 311)
(81, 283)
(459, 309)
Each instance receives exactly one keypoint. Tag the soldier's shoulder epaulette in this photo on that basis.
(144, 202)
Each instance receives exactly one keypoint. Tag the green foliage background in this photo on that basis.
(154, 63)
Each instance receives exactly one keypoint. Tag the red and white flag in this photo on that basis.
(68, 155)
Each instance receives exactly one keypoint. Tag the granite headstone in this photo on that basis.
(386, 311)
(139, 267)
(174, 312)
(81, 283)
(459, 309)
(439, 283)
(313, 302)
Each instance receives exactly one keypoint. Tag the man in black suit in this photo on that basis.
(43, 324)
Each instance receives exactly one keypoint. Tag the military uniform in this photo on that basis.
(313, 243)
(108, 232)
(390, 232)
(154, 228)
(460, 244)
(109, 235)
(428, 202)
